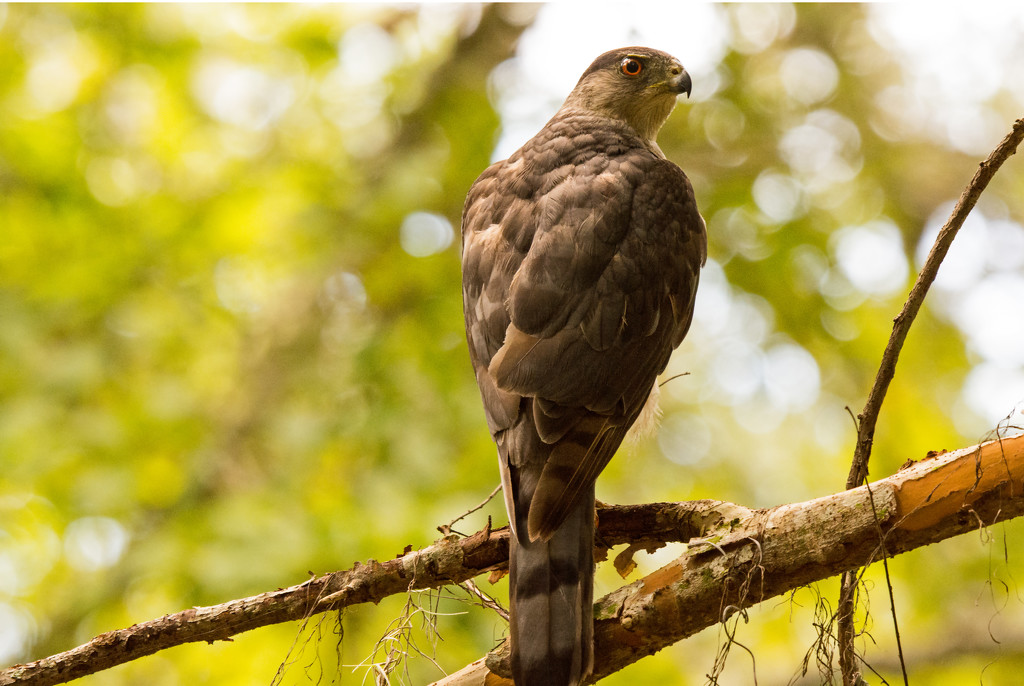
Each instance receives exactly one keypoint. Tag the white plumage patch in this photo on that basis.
(648, 420)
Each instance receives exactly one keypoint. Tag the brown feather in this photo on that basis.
(580, 256)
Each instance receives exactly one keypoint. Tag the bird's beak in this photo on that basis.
(681, 83)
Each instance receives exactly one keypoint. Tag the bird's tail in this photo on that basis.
(552, 600)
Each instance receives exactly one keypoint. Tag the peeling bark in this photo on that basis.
(775, 551)
(736, 558)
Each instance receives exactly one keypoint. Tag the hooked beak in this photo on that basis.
(681, 82)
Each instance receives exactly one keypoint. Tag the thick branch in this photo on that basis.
(778, 550)
(449, 561)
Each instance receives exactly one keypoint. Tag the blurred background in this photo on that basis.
(231, 339)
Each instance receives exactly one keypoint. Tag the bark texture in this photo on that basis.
(775, 551)
(736, 558)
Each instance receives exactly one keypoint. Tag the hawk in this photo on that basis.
(580, 258)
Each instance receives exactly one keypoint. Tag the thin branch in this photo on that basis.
(868, 418)
(447, 528)
(901, 324)
(892, 597)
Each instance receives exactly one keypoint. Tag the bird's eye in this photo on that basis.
(631, 67)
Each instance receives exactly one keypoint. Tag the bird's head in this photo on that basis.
(636, 85)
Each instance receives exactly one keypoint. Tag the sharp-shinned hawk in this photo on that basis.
(580, 257)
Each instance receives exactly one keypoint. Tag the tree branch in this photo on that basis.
(752, 556)
(779, 550)
(451, 560)
(868, 418)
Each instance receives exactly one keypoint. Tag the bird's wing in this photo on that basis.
(578, 282)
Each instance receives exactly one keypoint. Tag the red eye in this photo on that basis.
(631, 67)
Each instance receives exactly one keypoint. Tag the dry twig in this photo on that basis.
(868, 418)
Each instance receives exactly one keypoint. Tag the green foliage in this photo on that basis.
(231, 344)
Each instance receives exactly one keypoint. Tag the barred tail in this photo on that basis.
(552, 602)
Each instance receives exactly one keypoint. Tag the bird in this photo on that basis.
(581, 254)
